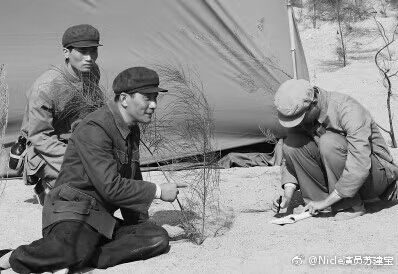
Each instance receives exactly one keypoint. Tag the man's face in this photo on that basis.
(82, 59)
(141, 106)
(311, 114)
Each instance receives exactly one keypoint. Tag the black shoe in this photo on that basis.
(2, 253)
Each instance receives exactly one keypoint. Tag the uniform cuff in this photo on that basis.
(338, 193)
(296, 186)
(158, 193)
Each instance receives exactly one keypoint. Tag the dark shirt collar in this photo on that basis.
(117, 116)
(323, 103)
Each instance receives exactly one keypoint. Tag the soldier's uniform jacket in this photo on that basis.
(46, 130)
(100, 174)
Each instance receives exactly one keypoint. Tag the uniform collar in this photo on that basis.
(68, 72)
(117, 116)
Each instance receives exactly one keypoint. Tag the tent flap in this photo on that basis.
(238, 50)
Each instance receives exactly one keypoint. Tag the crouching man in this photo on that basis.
(101, 174)
(334, 151)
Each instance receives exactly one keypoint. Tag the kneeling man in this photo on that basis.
(101, 174)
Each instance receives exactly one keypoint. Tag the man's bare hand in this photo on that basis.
(284, 203)
(315, 206)
(170, 191)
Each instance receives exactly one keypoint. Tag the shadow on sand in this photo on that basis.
(374, 207)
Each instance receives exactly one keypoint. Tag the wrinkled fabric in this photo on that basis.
(244, 45)
(100, 175)
(342, 114)
(76, 245)
(318, 168)
(45, 126)
(235, 159)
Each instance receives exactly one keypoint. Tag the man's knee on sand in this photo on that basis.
(68, 244)
(162, 239)
(157, 236)
(159, 241)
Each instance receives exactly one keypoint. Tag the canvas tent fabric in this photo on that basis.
(239, 51)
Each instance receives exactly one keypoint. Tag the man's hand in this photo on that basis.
(289, 190)
(284, 203)
(315, 206)
(170, 191)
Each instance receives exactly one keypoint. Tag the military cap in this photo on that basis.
(81, 36)
(137, 79)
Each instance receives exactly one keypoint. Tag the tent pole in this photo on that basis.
(292, 37)
(278, 154)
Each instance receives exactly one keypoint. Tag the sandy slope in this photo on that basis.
(252, 244)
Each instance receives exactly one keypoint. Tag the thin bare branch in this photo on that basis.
(4, 104)
(384, 62)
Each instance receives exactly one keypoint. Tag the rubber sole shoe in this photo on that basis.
(4, 252)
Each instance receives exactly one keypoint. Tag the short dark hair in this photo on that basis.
(117, 96)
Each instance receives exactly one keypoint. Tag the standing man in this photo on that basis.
(101, 174)
(44, 126)
(334, 151)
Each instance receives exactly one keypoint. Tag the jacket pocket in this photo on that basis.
(71, 194)
(33, 160)
(82, 207)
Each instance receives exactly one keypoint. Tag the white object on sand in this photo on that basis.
(292, 218)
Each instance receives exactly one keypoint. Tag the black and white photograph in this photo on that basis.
(198, 136)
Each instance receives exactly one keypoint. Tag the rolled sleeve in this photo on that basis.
(288, 176)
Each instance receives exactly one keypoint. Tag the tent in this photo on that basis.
(239, 50)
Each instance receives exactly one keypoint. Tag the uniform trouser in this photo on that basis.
(318, 167)
(75, 245)
(48, 175)
(36, 168)
(44, 180)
